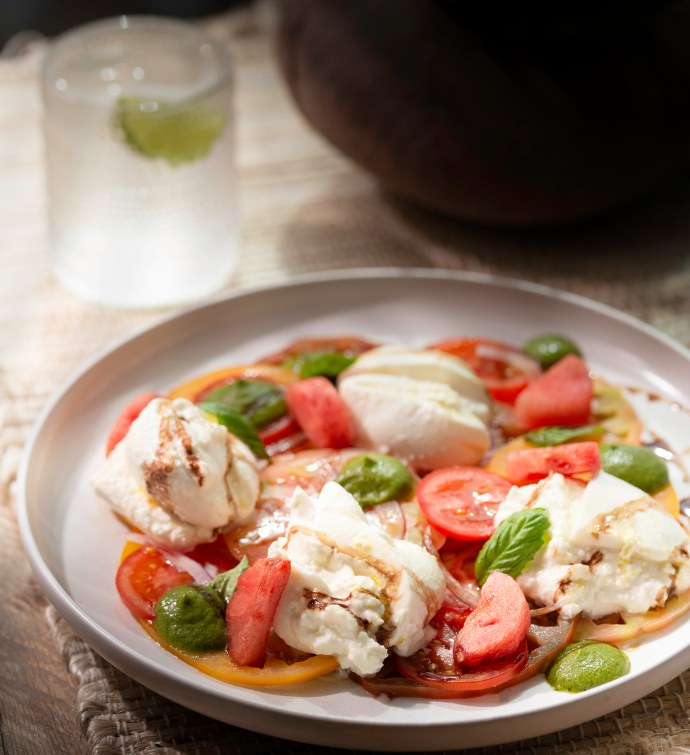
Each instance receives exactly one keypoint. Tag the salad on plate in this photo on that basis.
(442, 521)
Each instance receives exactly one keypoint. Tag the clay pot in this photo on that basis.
(489, 119)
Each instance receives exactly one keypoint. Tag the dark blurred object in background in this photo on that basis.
(498, 112)
(50, 17)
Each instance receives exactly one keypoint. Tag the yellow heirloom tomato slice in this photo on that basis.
(668, 498)
(635, 625)
(611, 410)
(274, 673)
(195, 389)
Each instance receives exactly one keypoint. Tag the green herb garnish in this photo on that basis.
(238, 425)
(225, 584)
(259, 401)
(556, 435)
(314, 363)
(516, 541)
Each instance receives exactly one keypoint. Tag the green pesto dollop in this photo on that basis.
(191, 618)
(549, 349)
(637, 465)
(375, 478)
(586, 664)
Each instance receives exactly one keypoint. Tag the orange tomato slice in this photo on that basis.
(275, 672)
(194, 389)
(615, 414)
(636, 625)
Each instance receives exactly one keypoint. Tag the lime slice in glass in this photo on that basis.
(177, 132)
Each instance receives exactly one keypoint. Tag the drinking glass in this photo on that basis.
(140, 162)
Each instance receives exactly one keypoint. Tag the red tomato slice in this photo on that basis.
(127, 416)
(497, 628)
(434, 667)
(458, 684)
(561, 396)
(348, 345)
(215, 553)
(144, 576)
(321, 413)
(250, 611)
(279, 429)
(461, 502)
(532, 464)
(544, 643)
(504, 370)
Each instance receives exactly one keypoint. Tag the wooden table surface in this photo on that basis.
(304, 208)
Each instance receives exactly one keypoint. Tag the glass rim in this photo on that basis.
(92, 29)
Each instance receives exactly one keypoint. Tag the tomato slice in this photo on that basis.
(274, 673)
(127, 416)
(321, 413)
(279, 429)
(635, 625)
(215, 553)
(544, 643)
(144, 576)
(250, 611)
(198, 387)
(504, 370)
(533, 464)
(458, 684)
(348, 345)
(434, 665)
(461, 502)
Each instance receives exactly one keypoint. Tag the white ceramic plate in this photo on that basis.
(74, 542)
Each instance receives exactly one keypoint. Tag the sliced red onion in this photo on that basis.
(200, 575)
(464, 592)
(545, 610)
(390, 517)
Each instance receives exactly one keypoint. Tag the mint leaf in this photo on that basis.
(516, 541)
(225, 584)
(556, 435)
(237, 424)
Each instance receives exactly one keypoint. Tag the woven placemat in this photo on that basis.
(119, 716)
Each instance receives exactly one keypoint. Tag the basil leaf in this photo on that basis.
(259, 401)
(555, 436)
(225, 584)
(314, 363)
(237, 424)
(516, 541)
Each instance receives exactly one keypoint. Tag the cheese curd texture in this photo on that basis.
(425, 406)
(613, 548)
(179, 476)
(354, 592)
